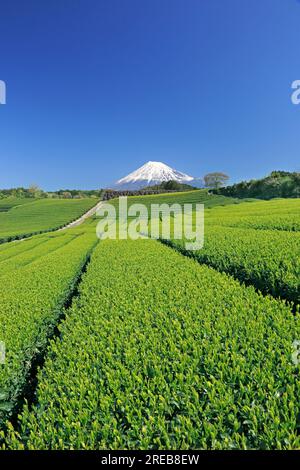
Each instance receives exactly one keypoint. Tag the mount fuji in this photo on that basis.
(153, 173)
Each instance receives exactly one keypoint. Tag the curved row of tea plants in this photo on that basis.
(44, 246)
(160, 352)
(11, 249)
(43, 215)
(267, 259)
(32, 298)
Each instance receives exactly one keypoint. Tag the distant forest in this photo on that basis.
(35, 192)
(277, 184)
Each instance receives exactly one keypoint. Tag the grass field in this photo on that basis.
(157, 350)
(41, 216)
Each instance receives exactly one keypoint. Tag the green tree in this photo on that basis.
(215, 180)
(67, 195)
(34, 191)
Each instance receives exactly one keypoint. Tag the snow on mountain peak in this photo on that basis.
(152, 173)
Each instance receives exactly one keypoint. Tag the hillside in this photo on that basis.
(8, 203)
(277, 184)
(201, 196)
(41, 216)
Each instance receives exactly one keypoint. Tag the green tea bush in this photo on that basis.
(158, 352)
(278, 214)
(270, 260)
(40, 246)
(34, 288)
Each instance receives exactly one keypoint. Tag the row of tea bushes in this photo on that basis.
(32, 299)
(269, 260)
(158, 352)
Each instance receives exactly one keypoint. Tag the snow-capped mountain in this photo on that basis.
(154, 173)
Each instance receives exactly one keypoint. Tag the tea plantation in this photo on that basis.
(40, 216)
(160, 352)
(123, 344)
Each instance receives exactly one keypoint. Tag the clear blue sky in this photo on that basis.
(95, 88)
